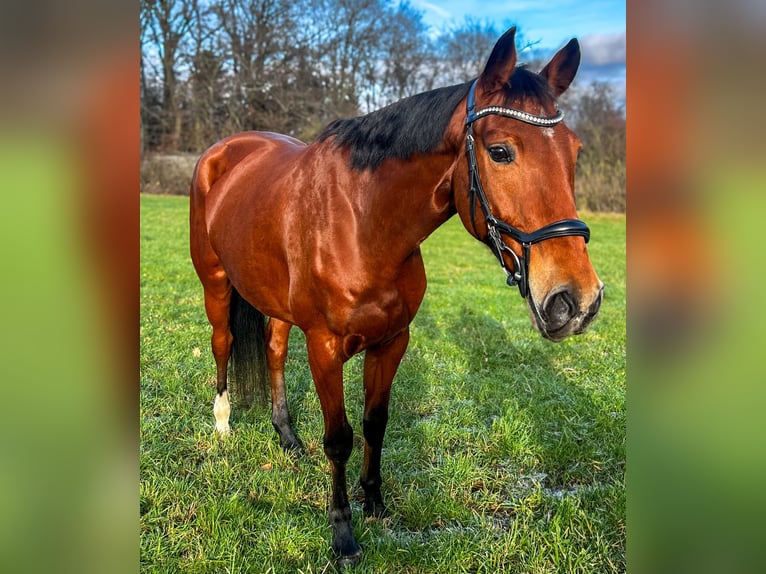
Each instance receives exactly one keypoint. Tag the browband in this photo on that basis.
(526, 117)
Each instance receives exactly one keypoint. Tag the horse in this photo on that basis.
(326, 237)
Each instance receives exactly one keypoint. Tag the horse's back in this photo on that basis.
(238, 174)
(228, 154)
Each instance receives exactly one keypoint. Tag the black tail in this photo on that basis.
(248, 350)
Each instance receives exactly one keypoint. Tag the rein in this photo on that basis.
(496, 228)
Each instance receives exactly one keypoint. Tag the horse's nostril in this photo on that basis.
(594, 307)
(559, 309)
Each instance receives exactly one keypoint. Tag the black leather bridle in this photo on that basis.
(496, 227)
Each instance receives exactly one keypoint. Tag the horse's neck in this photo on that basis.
(411, 199)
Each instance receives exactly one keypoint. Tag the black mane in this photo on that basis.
(412, 125)
(417, 124)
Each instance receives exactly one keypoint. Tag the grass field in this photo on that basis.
(504, 452)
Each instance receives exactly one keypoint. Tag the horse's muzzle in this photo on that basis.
(562, 315)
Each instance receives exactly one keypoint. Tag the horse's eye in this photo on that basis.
(501, 154)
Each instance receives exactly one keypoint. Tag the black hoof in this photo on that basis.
(349, 561)
(294, 447)
(345, 546)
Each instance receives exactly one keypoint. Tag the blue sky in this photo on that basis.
(599, 25)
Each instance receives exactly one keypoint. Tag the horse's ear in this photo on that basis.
(500, 64)
(561, 70)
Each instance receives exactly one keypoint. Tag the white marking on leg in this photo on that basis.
(222, 410)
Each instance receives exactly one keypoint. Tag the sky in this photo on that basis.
(599, 25)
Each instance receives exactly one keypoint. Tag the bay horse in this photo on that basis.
(327, 237)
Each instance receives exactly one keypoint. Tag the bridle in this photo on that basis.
(496, 227)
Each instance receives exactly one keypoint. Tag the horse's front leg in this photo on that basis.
(380, 364)
(326, 362)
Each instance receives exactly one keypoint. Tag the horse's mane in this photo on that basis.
(411, 125)
(417, 124)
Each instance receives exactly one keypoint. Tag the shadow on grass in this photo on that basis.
(568, 437)
(515, 407)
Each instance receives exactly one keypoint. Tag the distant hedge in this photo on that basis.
(168, 174)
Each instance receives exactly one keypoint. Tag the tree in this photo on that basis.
(598, 119)
(345, 36)
(408, 58)
(463, 50)
(165, 23)
(256, 40)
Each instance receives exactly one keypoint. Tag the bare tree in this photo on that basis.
(463, 50)
(345, 42)
(167, 22)
(202, 96)
(256, 36)
(598, 118)
(408, 58)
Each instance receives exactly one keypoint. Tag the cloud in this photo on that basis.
(441, 12)
(603, 49)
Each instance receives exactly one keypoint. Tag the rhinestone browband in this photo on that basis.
(526, 117)
(519, 115)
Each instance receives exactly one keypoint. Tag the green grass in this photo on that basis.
(504, 452)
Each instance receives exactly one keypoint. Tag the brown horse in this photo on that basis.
(327, 237)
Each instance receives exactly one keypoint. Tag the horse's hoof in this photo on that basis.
(294, 448)
(348, 553)
(349, 561)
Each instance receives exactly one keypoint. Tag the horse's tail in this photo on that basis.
(249, 368)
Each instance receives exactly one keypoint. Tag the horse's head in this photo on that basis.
(519, 187)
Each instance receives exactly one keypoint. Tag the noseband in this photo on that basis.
(496, 227)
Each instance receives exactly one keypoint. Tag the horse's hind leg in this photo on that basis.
(217, 306)
(218, 292)
(277, 334)
(216, 284)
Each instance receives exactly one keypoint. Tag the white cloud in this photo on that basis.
(441, 12)
(603, 49)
